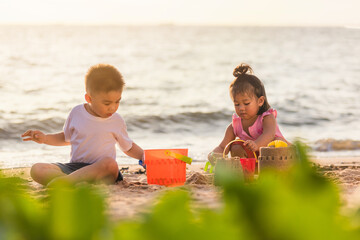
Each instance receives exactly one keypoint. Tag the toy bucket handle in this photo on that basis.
(242, 144)
(181, 157)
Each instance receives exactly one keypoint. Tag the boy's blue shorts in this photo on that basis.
(68, 168)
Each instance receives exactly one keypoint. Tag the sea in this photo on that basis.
(177, 84)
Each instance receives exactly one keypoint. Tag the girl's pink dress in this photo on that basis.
(256, 129)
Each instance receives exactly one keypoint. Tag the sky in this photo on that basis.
(183, 12)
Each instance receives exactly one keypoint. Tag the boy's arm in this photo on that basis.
(56, 139)
(135, 152)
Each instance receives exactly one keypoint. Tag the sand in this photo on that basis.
(133, 196)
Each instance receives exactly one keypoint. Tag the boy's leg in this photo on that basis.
(43, 173)
(106, 170)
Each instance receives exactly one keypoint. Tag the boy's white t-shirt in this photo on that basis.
(93, 138)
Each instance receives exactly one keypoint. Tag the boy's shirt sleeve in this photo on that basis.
(67, 128)
(124, 141)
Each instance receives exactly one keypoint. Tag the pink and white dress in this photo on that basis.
(256, 129)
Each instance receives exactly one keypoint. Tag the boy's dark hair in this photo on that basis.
(103, 78)
(246, 82)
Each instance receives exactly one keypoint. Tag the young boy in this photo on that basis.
(92, 129)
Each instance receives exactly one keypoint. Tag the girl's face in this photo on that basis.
(247, 106)
(103, 104)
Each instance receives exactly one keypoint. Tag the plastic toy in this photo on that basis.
(246, 164)
(277, 143)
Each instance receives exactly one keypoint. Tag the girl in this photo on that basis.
(254, 121)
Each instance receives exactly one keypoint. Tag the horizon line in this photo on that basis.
(179, 25)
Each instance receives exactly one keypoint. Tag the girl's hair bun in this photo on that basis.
(242, 69)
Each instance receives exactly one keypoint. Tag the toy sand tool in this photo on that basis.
(213, 158)
(212, 161)
(181, 157)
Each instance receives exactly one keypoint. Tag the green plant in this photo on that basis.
(68, 213)
(297, 204)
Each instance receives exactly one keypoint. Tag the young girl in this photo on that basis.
(254, 121)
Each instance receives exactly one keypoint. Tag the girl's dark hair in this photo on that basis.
(246, 82)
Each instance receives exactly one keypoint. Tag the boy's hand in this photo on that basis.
(34, 135)
(251, 145)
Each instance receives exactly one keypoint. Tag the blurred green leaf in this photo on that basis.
(295, 204)
(21, 216)
(75, 213)
(298, 204)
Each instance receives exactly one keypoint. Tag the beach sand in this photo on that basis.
(134, 196)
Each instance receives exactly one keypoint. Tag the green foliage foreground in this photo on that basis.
(298, 204)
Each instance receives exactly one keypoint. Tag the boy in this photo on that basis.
(92, 129)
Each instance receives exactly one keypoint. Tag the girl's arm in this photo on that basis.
(268, 135)
(56, 139)
(229, 136)
(135, 152)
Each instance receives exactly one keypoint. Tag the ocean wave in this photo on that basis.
(199, 117)
(330, 144)
(157, 123)
(185, 121)
(15, 129)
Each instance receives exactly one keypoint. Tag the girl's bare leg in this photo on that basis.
(105, 170)
(43, 173)
(238, 151)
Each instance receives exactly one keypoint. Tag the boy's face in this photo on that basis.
(103, 104)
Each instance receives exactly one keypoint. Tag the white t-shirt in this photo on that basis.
(93, 138)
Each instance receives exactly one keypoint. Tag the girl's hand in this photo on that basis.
(251, 145)
(34, 135)
(213, 156)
